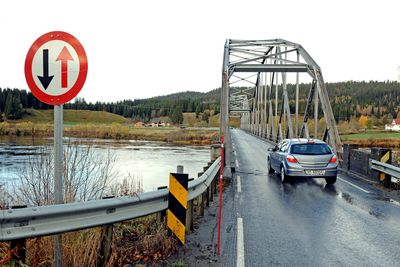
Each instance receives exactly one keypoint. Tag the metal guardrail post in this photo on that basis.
(206, 197)
(179, 169)
(210, 191)
(105, 243)
(215, 151)
(383, 155)
(189, 217)
(19, 246)
(162, 214)
(200, 200)
(215, 188)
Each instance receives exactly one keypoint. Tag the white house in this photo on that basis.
(394, 126)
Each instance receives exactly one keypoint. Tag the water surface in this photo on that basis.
(150, 161)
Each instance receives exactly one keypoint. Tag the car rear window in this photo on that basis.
(310, 149)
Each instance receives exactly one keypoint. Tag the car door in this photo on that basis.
(275, 156)
(282, 153)
(272, 156)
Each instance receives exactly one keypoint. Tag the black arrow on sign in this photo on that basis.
(45, 79)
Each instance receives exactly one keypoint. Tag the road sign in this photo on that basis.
(177, 204)
(56, 67)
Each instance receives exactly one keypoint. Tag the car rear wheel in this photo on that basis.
(330, 180)
(284, 177)
(269, 168)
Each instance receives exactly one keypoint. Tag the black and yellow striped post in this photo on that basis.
(383, 155)
(177, 204)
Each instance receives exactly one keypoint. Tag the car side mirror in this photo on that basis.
(270, 149)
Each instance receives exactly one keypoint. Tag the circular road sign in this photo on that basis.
(56, 67)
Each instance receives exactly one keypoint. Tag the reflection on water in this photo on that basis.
(152, 161)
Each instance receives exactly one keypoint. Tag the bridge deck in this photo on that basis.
(304, 223)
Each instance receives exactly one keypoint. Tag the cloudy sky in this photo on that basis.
(139, 49)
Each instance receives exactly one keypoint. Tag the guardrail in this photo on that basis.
(48, 220)
(385, 168)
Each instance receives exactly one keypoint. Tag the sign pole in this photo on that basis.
(50, 61)
(58, 175)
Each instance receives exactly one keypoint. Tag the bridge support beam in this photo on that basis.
(271, 117)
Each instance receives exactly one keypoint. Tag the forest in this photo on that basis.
(348, 99)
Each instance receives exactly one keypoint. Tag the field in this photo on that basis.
(98, 124)
(370, 135)
(373, 139)
(73, 117)
(190, 120)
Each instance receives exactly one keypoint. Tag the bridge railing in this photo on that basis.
(386, 168)
(16, 224)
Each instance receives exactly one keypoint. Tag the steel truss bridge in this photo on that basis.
(256, 77)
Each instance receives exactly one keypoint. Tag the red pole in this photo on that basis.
(221, 171)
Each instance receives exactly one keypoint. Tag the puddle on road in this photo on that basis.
(387, 199)
(371, 210)
(377, 214)
(346, 197)
(333, 191)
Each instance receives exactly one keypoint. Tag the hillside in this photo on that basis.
(73, 116)
(348, 99)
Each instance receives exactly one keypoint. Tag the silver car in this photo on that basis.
(298, 157)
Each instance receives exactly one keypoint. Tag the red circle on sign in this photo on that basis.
(83, 68)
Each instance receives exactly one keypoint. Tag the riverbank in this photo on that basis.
(173, 135)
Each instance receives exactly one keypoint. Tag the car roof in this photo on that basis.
(305, 140)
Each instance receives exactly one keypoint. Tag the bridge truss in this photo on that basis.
(261, 84)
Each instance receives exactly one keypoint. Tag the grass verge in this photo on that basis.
(140, 241)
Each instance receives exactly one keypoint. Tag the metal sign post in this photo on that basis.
(55, 70)
(58, 175)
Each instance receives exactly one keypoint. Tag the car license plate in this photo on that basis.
(315, 172)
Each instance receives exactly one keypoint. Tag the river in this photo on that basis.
(150, 161)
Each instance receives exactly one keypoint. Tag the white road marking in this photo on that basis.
(359, 188)
(237, 163)
(239, 185)
(240, 243)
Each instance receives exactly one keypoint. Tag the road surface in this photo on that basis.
(304, 223)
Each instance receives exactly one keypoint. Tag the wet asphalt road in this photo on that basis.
(304, 223)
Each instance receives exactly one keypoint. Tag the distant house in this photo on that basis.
(394, 126)
(165, 124)
(158, 123)
(139, 124)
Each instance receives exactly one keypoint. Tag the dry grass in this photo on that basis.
(143, 241)
(189, 119)
(112, 131)
(138, 241)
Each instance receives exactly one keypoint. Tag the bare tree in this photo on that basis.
(129, 186)
(87, 176)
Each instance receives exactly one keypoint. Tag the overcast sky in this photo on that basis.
(139, 49)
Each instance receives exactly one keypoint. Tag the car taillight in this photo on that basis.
(291, 159)
(333, 159)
